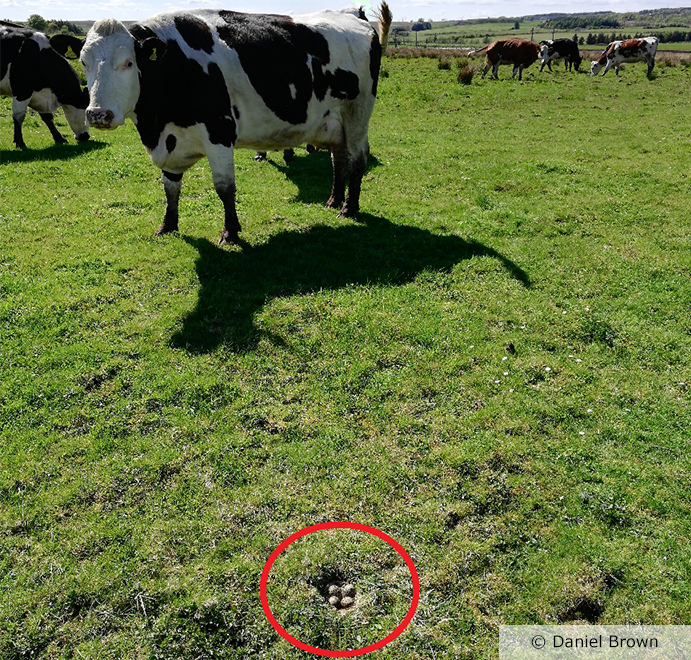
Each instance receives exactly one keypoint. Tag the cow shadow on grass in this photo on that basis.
(52, 153)
(235, 285)
(312, 175)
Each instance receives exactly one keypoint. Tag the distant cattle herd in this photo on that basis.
(522, 53)
(201, 83)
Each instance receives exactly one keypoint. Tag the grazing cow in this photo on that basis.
(201, 83)
(629, 51)
(519, 52)
(35, 74)
(560, 49)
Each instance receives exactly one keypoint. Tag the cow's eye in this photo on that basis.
(129, 64)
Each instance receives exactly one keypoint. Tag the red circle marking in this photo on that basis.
(324, 652)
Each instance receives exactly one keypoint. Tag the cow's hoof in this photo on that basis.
(20, 145)
(334, 203)
(165, 229)
(228, 238)
(60, 140)
(347, 212)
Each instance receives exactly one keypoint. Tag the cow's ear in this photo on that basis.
(152, 49)
(67, 45)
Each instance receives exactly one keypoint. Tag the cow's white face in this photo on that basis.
(112, 75)
(595, 68)
(544, 53)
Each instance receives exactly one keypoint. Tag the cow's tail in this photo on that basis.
(385, 18)
(475, 53)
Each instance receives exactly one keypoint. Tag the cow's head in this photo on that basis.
(595, 67)
(112, 60)
(76, 118)
(577, 61)
(73, 97)
(544, 52)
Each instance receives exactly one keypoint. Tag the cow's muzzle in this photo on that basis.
(83, 137)
(100, 118)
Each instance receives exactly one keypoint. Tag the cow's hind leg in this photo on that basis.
(222, 165)
(48, 120)
(356, 170)
(339, 161)
(172, 184)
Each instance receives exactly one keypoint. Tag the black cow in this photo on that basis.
(560, 49)
(35, 74)
(201, 83)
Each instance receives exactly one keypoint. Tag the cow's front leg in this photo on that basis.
(222, 166)
(172, 184)
(339, 161)
(18, 114)
(48, 120)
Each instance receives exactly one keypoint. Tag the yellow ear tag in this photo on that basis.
(70, 54)
(153, 55)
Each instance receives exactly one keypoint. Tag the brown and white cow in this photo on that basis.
(202, 83)
(519, 52)
(626, 52)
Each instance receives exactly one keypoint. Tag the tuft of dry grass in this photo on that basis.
(466, 72)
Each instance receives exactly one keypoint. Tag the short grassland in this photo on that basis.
(491, 365)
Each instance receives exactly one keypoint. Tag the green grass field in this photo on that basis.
(491, 365)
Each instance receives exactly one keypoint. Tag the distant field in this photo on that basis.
(491, 365)
(474, 35)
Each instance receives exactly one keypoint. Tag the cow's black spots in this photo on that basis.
(171, 141)
(195, 32)
(343, 84)
(236, 113)
(10, 45)
(222, 130)
(26, 76)
(319, 82)
(171, 176)
(274, 53)
(204, 101)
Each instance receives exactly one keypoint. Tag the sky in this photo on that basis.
(70, 10)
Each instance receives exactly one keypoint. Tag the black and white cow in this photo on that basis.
(626, 52)
(553, 50)
(35, 74)
(201, 83)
